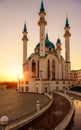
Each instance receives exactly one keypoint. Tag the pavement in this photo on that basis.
(15, 105)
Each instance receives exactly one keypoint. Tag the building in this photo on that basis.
(2, 86)
(79, 76)
(45, 70)
(73, 76)
(76, 77)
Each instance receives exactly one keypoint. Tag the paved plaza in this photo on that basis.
(15, 105)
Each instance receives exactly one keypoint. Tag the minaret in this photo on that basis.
(25, 39)
(67, 41)
(67, 48)
(58, 49)
(42, 23)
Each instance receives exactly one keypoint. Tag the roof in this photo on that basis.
(42, 7)
(33, 54)
(47, 43)
(67, 23)
(58, 41)
(25, 28)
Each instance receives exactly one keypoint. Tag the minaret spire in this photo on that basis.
(67, 40)
(58, 48)
(46, 36)
(25, 28)
(42, 23)
(42, 6)
(67, 22)
(67, 48)
(25, 39)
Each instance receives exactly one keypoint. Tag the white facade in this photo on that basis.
(46, 70)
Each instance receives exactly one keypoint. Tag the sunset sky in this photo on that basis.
(12, 17)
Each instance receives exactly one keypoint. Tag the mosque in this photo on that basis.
(45, 70)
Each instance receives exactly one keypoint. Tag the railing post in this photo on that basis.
(38, 105)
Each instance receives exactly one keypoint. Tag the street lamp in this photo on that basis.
(38, 105)
(4, 121)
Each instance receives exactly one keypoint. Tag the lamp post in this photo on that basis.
(4, 121)
(38, 105)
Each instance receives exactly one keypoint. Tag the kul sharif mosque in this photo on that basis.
(45, 70)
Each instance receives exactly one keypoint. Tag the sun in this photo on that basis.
(11, 74)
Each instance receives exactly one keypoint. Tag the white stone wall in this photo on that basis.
(43, 84)
(60, 67)
(51, 57)
(67, 49)
(48, 86)
(63, 69)
(42, 40)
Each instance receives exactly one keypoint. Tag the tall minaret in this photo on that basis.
(58, 49)
(25, 39)
(42, 23)
(67, 48)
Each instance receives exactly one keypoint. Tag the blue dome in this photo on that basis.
(47, 43)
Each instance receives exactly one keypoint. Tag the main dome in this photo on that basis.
(47, 43)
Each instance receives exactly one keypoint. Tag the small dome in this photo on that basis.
(47, 43)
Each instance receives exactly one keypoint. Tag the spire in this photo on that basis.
(67, 22)
(25, 28)
(58, 41)
(42, 7)
(46, 36)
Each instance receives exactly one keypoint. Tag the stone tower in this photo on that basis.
(42, 23)
(58, 49)
(67, 48)
(25, 39)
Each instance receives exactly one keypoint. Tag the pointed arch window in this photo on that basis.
(38, 50)
(53, 69)
(34, 68)
(49, 48)
(38, 67)
(48, 69)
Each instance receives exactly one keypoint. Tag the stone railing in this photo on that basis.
(20, 122)
(64, 123)
(73, 92)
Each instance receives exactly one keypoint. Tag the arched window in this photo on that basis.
(38, 50)
(48, 69)
(38, 67)
(22, 89)
(53, 69)
(33, 68)
(26, 89)
(49, 48)
(62, 71)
